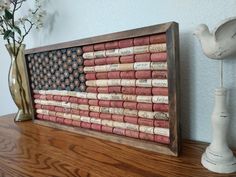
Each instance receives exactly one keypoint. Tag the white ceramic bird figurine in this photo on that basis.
(221, 43)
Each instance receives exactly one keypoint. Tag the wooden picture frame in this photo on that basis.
(170, 30)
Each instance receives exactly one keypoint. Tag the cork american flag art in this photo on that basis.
(117, 87)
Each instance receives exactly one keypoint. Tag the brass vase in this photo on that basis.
(17, 81)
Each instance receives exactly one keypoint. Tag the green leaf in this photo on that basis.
(8, 34)
(17, 29)
(8, 15)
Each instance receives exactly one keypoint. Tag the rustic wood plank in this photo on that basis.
(28, 149)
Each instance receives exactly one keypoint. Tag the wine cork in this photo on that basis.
(125, 67)
(130, 112)
(159, 74)
(112, 45)
(60, 114)
(85, 119)
(126, 43)
(160, 91)
(84, 113)
(104, 103)
(159, 82)
(119, 118)
(132, 126)
(76, 123)
(74, 106)
(105, 116)
(146, 122)
(160, 99)
(157, 48)
(90, 62)
(85, 125)
(99, 46)
(162, 123)
(114, 82)
(38, 106)
(72, 93)
(94, 114)
(113, 67)
(91, 83)
(94, 108)
(116, 111)
(89, 69)
(116, 96)
(104, 110)
(73, 99)
(99, 54)
(129, 97)
(53, 118)
(161, 107)
(143, 91)
(88, 55)
(88, 48)
(103, 90)
(144, 99)
(103, 96)
(36, 96)
(107, 129)
(67, 110)
(158, 38)
(100, 61)
(112, 52)
(126, 51)
(83, 107)
(142, 66)
(67, 116)
(161, 115)
(158, 57)
(144, 106)
(93, 102)
(114, 89)
(118, 104)
(82, 101)
(162, 131)
(146, 136)
(141, 49)
(144, 57)
(65, 98)
(119, 125)
(143, 83)
(146, 129)
(128, 90)
(96, 127)
(128, 82)
(108, 123)
(146, 114)
(65, 104)
(141, 40)
(102, 75)
(59, 109)
(43, 97)
(114, 75)
(57, 98)
(101, 68)
(131, 133)
(127, 74)
(52, 113)
(42, 92)
(112, 60)
(60, 120)
(158, 65)
(130, 105)
(143, 74)
(127, 59)
(90, 76)
(92, 89)
(91, 95)
(161, 139)
(119, 131)
(75, 111)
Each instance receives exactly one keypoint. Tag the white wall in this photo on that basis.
(76, 19)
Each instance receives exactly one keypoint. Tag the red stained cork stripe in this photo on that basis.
(38, 106)
(100, 61)
(156, 57)
(119, 131)
(92, 89)
(146, 136)
(102, 75)
(127, 75)
(160, 91)
(90, 76)
(76, 123)
(67, 110)
(147, 122)
(104, 103)
(159, 38)
(116, 104)
(127, 59)
(145, 57)
(143, 74)
(141, 41)
(132, 120)
(60, 120)
(103, 90)
(131, 133)
(112, 45)
(161, 107)
(49, 97)
(99, 46)
(75, 111)
(114, 75)
(85, 125)
(105, 116)
(53, 118)
(107, 129)
(68, 122)
(162, 139)
(144, 106)
(36, 96)
(126, 43)
(93, 102)
(116, 117)
(73, 99)
(112, 60)
(88, 48)
(94, 114)
(84, 113)
(82, 101)
(90, 62)
(159, 74)
(96, 127)
(59, 109)
(46, 117)
(128, 90)
(65, 98)
(115, 89)
(143, 91)
(57, 97)
(162, 123)
(39, 116)
(130, 105)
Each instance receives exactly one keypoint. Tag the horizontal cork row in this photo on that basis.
(109, 110)
(109, 123)
(108, 97)
(138, 41)
(106, 129)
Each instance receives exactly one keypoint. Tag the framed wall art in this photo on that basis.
(122, 87)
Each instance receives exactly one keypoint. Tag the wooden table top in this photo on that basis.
(28, 149)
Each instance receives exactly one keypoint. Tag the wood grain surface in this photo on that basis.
(28, 149)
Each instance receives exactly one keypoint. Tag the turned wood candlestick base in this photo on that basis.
(218, 157)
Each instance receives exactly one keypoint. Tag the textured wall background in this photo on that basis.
(76, 19)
